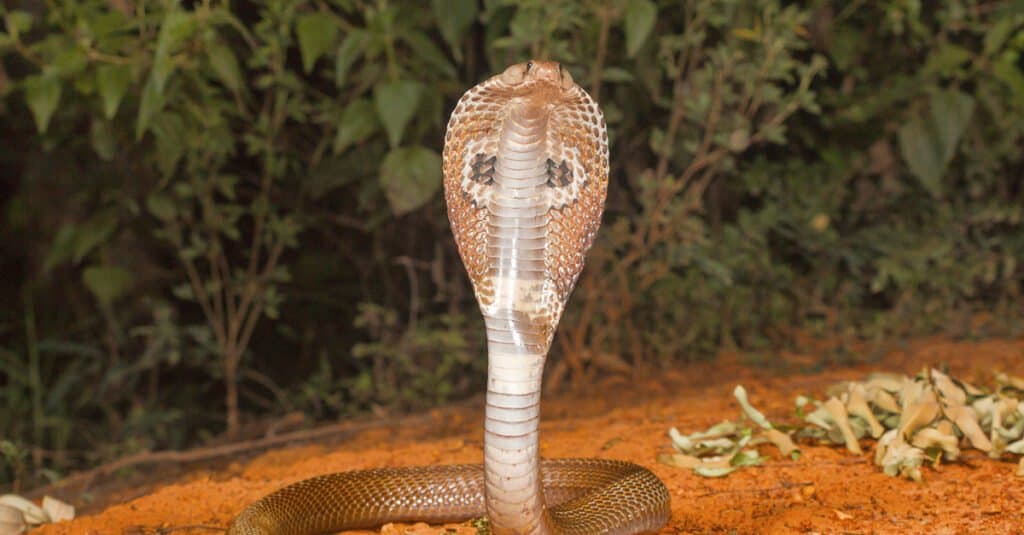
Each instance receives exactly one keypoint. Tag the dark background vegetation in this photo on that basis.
(214, 211)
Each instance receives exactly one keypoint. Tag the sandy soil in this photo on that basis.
(826, 491)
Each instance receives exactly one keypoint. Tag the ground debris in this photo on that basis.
(916, 421)
(728, 446)
(18, 514)
(936, 416)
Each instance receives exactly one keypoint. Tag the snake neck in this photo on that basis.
(519, 327)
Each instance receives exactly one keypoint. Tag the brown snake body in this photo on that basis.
(525, 176)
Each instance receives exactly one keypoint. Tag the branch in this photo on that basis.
(604, 13)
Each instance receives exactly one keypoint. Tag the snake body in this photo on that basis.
(525, 176)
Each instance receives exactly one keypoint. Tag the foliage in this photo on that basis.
(239, 202)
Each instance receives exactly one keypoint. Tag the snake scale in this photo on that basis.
(525, 178)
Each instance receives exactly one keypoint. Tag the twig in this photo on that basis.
(172, 529)
(757, 490)
(602, 49)
(213, 452)
(414, 290)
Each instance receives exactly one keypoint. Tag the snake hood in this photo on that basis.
(526, 175)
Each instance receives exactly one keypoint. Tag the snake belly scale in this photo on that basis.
(525, 177)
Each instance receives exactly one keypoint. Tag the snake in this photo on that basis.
(525, 167)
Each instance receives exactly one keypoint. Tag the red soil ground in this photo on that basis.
(827, 490)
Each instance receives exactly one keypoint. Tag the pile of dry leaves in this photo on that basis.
(925, 418)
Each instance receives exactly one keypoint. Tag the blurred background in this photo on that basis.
(216, 213)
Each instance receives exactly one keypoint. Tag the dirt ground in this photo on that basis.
(827, 490)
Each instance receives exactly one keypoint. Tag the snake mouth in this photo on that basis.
(549, 72)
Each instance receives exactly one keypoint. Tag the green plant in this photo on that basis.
(237, 203)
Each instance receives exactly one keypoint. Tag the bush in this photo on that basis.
(240, 201)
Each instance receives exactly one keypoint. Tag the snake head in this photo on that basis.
(547, 79)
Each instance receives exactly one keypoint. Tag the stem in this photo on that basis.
(389, 46)
(231, 397)
(35, 377)
(602, 48)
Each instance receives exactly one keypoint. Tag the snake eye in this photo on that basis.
(529, 65)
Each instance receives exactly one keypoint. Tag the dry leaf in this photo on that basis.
(967, 421)
(837, 411)
(857, 405)
(841, 515)
(783, 442)
(33, 514)
(12, 522)
(933, 438)
(680, 460)
(903, 459)
(889, 382)
(917, 416)
(949, 392)
(882, 399)
(741, 395)
(57, 510)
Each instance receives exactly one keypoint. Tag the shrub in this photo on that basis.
(238, 203)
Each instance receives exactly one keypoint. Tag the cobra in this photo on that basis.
(525, 177)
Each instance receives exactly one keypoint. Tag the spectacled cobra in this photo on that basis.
(525, 179)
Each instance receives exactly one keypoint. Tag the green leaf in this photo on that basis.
(42, 94)
(62, 247)
(102, 137)
(328, 175)
(410, 176)
(161, 206)
(945, 60)
(184, 292)
(152, 102)
(740, 394)
(224, 63)
(349, 51)
(226, 185)
(317, 33)
(94, 232)
(714, 471)
(396, 103)
(358, 122)
(929, 143)
(177, 27)
(1005, 70)
(423, 47)
(746, 458)
(18, 22)
(998, 33)
(169, 131)
(107, 283)
(112, 82)
(922, 155)
(951, 112)
(639, 20)
(69, 62)
(616, 75)
(453, 18)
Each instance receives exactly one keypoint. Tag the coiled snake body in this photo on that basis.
(525, 176)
